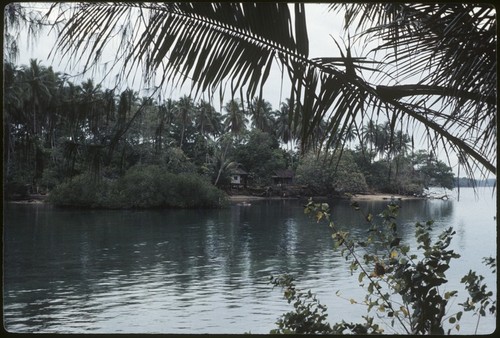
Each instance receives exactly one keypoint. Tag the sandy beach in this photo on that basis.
(248, 198)
(354, 197)
(382, 197)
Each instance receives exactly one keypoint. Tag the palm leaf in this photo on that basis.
(215, 44)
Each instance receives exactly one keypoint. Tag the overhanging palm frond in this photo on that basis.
(209, 43)
(443, 59)
(230, 44)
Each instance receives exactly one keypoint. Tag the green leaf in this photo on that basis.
(361, 276)
(319, 216)
(449, 294)
(370, 288)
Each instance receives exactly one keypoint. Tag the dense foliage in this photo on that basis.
(331, 174)
(407, 173)
(142, 186)
(56, 130)
(261, 156)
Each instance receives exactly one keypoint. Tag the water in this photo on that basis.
(205, 271)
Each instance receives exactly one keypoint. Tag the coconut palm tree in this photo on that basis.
(91, 107)
(165, 119)
(400, 143)
(350, 134)
(437, 67)
(235, 120)
(14, 116)
(109, 98)
(37, 92)
(377, 136)
(184, 112)
(260, 111)
(207, 119)
(282, 125)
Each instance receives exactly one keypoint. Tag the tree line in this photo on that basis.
(55, 130)
(104, 133)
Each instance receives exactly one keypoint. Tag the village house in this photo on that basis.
(239, 178)
(283, 177)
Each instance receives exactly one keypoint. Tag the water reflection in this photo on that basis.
(176, 271)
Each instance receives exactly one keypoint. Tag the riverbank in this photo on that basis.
(39, 199)
(353, 197)
(249, 198)
(383, 197)
(31, 199)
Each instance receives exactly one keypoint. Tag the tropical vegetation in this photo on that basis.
(142, 186)
(215, 46)
(422, 73)
(56, 130)
(433, 67)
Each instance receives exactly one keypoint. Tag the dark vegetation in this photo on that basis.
(61, 137)
(56, 129)
(142, 186)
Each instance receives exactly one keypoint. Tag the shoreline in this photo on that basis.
(249, 198)
(384, 197)
(31, 199)
(353, 197)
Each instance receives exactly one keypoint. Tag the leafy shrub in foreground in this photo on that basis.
(402, 287)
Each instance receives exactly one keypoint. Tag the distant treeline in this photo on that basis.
(469, 182)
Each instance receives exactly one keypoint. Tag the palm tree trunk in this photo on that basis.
(221, 167)
(182, 136)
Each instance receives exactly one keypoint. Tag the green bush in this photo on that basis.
(194, 191)
(328, 174)
(139, 188)
(147, 186)
(80, 191)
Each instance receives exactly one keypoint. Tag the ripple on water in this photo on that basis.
(170, 276)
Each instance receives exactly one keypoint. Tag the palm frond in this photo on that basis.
(446, 54)
(220, 44)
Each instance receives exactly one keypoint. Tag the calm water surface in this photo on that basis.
(205, 271)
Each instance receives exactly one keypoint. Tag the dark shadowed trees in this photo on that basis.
(451, 47)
